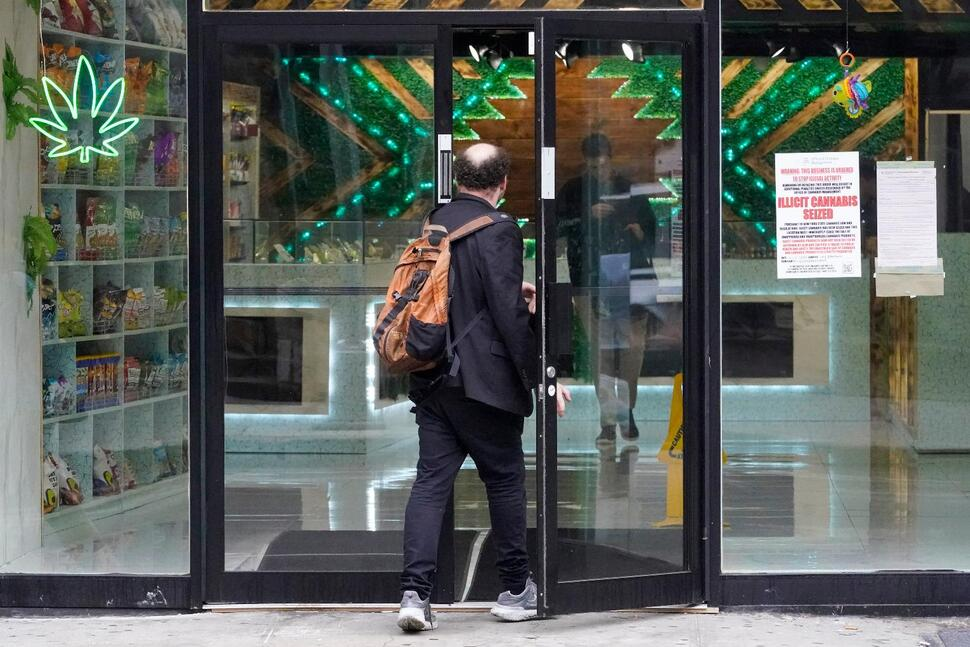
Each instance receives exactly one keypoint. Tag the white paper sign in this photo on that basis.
(817, 215)
(906, 199)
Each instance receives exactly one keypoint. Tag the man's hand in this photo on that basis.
(529, 294)
(562, 397)
(636, 230)
(602, 210)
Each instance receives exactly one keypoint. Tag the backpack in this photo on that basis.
(412, 332)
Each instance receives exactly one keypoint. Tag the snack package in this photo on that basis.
(167, 159)
(105, 473)
(71, 321)
(50, 14)
(58, 397)
(137, 310)
(163, 465)
(92, 19)
(72, 19)
(136, 85)
(52, 212)
(68, 485)
(48, 309)
(50, 497)
(109, 300)
(132, 370)
(178, 93)
(127, 476)
(106, 13)
(156, 91)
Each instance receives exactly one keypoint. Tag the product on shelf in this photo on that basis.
(136, 85)
(97, 381)
(58, 397)
(142, 238)
(156, 92)
(178, 372)
(48, 309)
(105, 479)
(145, 377)
(163, 465)
(239, 164)
(137, 311)
(68, 486)
(97, 230)
(108, 171)
(156, 21)
(52, 211)
(50, 14)
(139, 155)
(178, 234)
(72, 18)
(332, 251)
(169, 305)
(178, 93)
(50, 497)
(167, 165)
(71, 321)
(128, 481)
(109, 26)
(109, 300)
(242, 123)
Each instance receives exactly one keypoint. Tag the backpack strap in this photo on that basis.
(476, 224)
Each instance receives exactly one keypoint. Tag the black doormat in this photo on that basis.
(583, 554)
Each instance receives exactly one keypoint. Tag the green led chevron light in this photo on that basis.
(58, 128)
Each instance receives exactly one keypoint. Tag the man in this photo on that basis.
(609, 232)
(481, 411)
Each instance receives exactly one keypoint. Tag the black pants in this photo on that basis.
(451, 427)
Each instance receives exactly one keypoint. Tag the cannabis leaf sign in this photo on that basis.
(67, 133)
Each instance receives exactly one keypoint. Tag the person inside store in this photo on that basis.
(610, 235)
(480, 411)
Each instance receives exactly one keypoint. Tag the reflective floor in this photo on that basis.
(839, 497)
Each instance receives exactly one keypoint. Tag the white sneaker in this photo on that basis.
(516, 608)
(415, 613)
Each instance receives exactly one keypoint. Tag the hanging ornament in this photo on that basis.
(852, 92)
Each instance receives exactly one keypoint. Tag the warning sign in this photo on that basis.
(817, 215)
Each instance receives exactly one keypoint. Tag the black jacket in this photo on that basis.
(498, 356)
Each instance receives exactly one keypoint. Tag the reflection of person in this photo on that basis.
(608, 232)
(481, 410)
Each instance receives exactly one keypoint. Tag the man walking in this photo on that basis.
(480, 411)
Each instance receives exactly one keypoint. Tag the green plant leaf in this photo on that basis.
(34, 4)
(16, 84)
(39, 247)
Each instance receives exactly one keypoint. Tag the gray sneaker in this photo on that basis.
(415, 613)
(516, 608)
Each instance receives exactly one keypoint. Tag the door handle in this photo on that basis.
(444, 168)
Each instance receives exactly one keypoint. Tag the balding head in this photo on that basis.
(481, 167)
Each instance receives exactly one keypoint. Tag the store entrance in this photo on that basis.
(333, 145)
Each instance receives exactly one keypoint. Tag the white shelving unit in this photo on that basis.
(148, 434)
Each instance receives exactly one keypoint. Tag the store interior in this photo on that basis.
(844, 414)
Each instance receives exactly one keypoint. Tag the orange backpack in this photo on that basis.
(412, 331)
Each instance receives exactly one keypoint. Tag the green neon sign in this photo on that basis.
(57, 128)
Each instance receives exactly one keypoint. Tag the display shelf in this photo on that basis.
(118, 407)
(115, 335)
(135, 44)
(81, 36)
(96, 508)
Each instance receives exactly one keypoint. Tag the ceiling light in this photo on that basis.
(564, 55)
(633, 51)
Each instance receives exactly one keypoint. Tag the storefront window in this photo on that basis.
(445, 5)
(112, 496)
(844, 412)
(329, 172)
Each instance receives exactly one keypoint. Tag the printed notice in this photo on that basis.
(817, 215)
(906, 197)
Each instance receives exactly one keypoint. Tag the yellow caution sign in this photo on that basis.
(672, 453)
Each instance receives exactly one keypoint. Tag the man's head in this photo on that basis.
(483, 170)
(598, 154)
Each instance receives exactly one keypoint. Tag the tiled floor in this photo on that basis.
(805, 497)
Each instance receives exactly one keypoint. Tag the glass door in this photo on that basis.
(329, 150)
(615, 124)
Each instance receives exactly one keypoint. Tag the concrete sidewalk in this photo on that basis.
(464, 629)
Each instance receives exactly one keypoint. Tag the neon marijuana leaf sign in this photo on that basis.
(63, 122)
